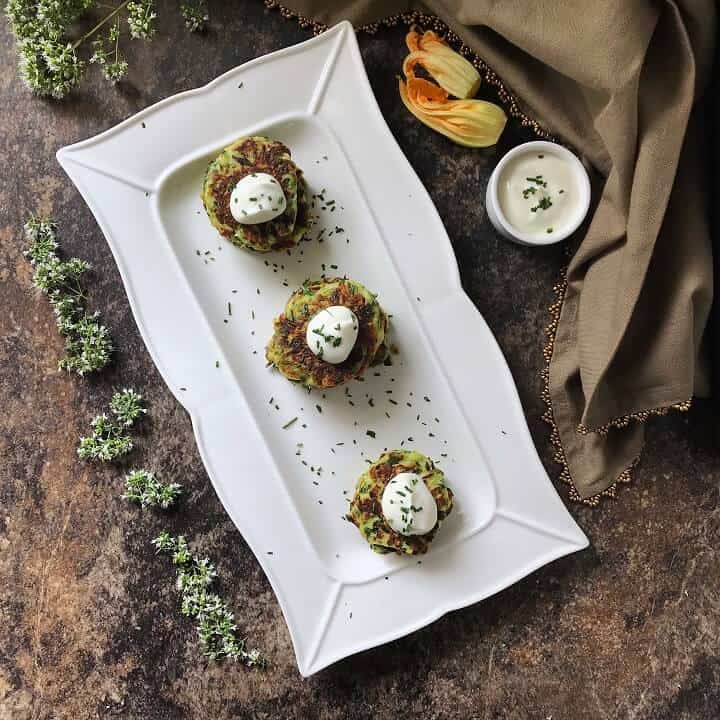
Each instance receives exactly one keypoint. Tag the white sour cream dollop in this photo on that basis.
(332, 333)
(408, 506)
(257, 198)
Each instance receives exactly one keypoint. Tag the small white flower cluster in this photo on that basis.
(141, 18)
(127, 406)
(48, 52)
(113, 64)
(88, 345)
(216, 624)
(196, 16)
(142, 487)
(48, 62)
(109, 439)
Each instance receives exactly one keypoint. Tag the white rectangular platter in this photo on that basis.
(205, 310)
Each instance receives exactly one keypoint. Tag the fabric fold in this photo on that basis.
(617, 81)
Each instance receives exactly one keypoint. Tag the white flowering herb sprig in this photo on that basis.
(110, 438)
(107, 56)
(49, 64)
(52, 51)
(142, 487)
(216, 624)
(195, 16)
(141, 19)
(88, 345)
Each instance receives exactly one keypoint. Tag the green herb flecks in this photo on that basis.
(532, 190)
(543, 204)
(334, 340)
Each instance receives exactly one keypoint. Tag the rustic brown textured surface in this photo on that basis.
(90, 621)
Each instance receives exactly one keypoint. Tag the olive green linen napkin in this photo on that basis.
(618, 81)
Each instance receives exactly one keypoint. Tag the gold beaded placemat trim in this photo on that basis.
(513, 109)
(626, 475)
(558, 451)
(642, 416)
(301, 20)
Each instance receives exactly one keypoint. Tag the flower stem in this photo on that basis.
(92, 31)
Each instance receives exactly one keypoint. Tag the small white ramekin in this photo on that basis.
(495, 213)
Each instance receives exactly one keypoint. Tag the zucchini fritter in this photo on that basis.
(288, 350)
(366, 506)
(257, 154)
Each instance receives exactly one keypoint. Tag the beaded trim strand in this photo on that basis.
(302, 21)
(558, 452)
(642, 416)
(512, 107)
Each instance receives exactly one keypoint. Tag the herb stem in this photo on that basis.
(97, 27)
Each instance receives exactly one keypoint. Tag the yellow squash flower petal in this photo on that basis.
(473, 123)
(449, 69)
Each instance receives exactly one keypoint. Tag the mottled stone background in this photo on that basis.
(90, 625)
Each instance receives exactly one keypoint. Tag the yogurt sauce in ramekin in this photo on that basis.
(539, 193)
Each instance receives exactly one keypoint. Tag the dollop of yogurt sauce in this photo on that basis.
(408, 506)
(257, 198)
(332, 333)
(537, 192)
